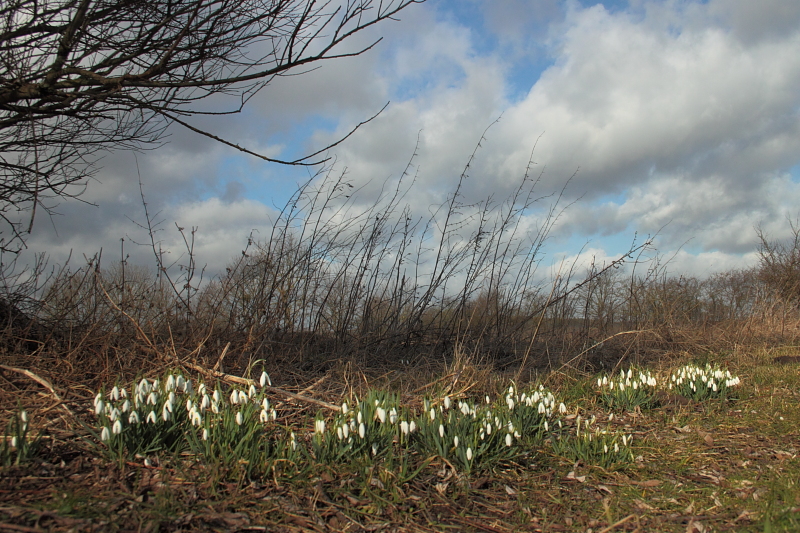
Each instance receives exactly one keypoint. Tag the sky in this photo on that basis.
(671, 118)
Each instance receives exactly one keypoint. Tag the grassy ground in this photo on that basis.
(713, 466)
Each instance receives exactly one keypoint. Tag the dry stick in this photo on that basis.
(221, 357)
(307, 389)
(43, 382)
(244, 381)
(617, 524)
(538, 325)
(601, 342)
(129, 317)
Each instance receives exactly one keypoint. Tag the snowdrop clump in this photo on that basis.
(172, 415)
(592, 445)
(19, 447)
(704, 383)
(629, 390)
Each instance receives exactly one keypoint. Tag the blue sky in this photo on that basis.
(680, 117)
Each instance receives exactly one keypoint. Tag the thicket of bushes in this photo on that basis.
(382, 284)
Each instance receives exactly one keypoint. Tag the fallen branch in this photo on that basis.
(41, 381)
(244, 381)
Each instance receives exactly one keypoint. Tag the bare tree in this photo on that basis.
(79, 77)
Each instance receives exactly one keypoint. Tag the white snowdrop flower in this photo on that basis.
(616, 447)
(113, 414)
(99, 407)
(605, 448)
(180, 382)
(187, 387)
(126, 406)
(144, 386)
(14, 442)
(216, 396)
(197, 420)
(380, 412)
(292, 441)
(152, 399)
(273, 414)
(393, 416)
(510, 403)
(517, 434)
(362, 430)
(263, 416)
(239, 418)
(541, 409)
(252, 391)
(441, 430)
(714, 387)
(339, 433)
(483, 435)
(404, 427)
(115, 393)
(489, 428)
(447, 402)
(215, 407)
(264, 380)
(488, 401)
(346, 431)
(599, 382)
(359, 418)
(205, 403)
(374, 449)
(345, 409)
(105, 434)
(455, 441)
(610, 385)
(117, 427)
(546, 427)
(630, 373)
(201, 389)
(508, 439)
(610, 417)
(151, 417)
(133, 418)
(469, 454)
(265, 404)
(205, 433)
(412, 427)
(170, 383)
(169, 406)
(433, 414)
(165, 413)
(189, 405)
(234, 397)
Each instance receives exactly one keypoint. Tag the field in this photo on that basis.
(713, 465)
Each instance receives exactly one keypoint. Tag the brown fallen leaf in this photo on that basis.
(648, 483)
(572, 477)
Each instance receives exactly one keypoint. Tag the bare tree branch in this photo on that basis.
(80, 77)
